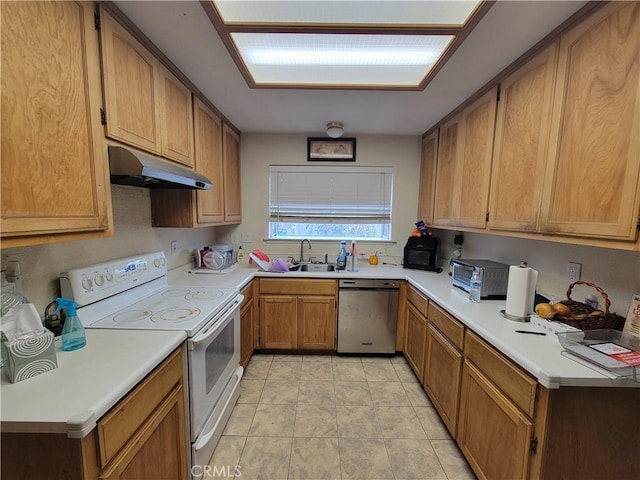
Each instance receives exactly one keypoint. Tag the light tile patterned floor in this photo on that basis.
(328, 417)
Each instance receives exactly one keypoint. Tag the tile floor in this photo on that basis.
(329, 417)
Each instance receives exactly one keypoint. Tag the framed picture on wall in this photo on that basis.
(331, 149)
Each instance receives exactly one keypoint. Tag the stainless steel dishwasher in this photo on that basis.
(367, 315)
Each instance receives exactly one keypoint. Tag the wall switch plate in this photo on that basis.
(573, 271)
(174, 247)
(246, 238)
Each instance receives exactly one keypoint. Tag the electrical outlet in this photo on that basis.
(174, 247)
(573, 271)
(246, 238)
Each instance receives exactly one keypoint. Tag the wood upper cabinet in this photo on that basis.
(231, 162)
(208, 134)
(473, 173)
(176, 119)
(426, 189)
(520, 144)
(131, 87)
(449, 150)
(55, 176)
(592, 186)
(146, 105)
(306, 319)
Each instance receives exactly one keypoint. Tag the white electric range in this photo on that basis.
(134, 293)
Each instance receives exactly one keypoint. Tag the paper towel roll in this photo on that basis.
(521, 290)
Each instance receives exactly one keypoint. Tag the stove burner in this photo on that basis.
(176, 292)
(175, 315)
(198, 294)
(132, 316)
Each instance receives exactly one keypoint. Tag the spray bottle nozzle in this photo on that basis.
(68, 304)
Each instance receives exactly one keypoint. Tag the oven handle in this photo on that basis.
(210, 332)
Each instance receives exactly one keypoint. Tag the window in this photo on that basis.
(330, 203)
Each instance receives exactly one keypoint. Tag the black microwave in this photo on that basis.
(422, 253)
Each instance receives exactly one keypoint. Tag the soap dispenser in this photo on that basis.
(73, 336)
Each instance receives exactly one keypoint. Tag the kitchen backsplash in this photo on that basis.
(133, 234)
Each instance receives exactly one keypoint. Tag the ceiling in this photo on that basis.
(184, 33)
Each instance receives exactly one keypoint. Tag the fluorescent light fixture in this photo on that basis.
(270, 56)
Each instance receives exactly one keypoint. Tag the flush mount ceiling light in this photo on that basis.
(354, 44)
(334, 129)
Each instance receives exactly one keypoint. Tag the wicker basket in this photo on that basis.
(585, 317)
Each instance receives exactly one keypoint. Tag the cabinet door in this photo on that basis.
(493, 433)
(278, 326)
(55, 177)
(208, 161)
(130, 80)
(176, 115)
(159, 448)
(427, 177)
(474, 170)
(592, 183)
(449, 151)
(317, 321)
(415, 340)
(231, 161)
(443, 368)
(520, 148)
(246, 332)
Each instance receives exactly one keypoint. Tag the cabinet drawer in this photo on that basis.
(515, 383)
(297, 286)
(122, 421)
(418, 299)
(451, 328)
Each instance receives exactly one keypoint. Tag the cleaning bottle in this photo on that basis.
(341, 264)
(240, 256)
(73, 336)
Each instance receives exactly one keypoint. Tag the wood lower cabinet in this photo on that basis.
(592, 186)
(494, 435)
(55, 175)
(442, 373)
(142, 436)
(300, 321)
(247, 324)
(415, 341)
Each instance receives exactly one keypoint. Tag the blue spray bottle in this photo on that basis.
(73, 336)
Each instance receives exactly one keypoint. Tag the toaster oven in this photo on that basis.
(494, 277)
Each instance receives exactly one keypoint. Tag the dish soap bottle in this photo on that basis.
(73, 336)
(476, 287)
(373, 259)
(341, 264)
(240, 256)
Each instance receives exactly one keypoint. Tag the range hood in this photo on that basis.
(132, 167)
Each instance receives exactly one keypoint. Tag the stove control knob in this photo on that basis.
(98, 279)
(87, 283)
(109, 277)
(156, 262)
(163, 261)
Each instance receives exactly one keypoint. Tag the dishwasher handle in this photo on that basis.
(369, 284)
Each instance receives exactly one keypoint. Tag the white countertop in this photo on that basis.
(541, 356)
(87, 382)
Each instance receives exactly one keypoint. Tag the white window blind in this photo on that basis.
(330, 195)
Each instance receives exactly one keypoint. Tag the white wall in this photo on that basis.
(616, 271)
(258, 151)
(133, 234)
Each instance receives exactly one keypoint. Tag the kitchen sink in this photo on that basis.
(313, 267)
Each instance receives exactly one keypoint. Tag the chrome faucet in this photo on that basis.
(301, 245)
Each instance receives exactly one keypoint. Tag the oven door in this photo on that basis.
(214, 356)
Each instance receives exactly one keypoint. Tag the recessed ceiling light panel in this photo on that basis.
(346, 12)
(266, 56)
